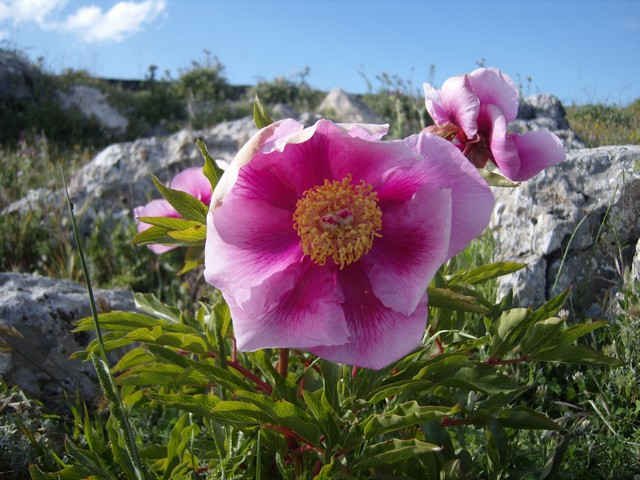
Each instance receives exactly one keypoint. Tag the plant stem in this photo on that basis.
(283, 362)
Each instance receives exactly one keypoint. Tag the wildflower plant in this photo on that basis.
(334, 342)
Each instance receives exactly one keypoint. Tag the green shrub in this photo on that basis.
(599, 124)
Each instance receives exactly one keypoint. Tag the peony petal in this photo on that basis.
(446, 168)
(503, 149)
(378, 335)
(266, 139)
(296, 308)
(537, 150)
(461, 103)
(365, 131)
(155, 208)
(414, 243)
(363, 160)
(438, 112)
(193, 182)
(240, 263)
(494, 87)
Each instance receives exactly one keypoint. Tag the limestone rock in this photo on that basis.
(93, 104)
(119, 177)
(43, 312)
(341, 106)
(544, 111)
(575, 224)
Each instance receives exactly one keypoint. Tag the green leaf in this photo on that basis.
(169, 223)
(195, 235)
(486, 272)
(551, 307)
(198, 404)
(576, 354)
(496, 180)
(152, 235)
(193, 258)
(189, 207)
(119, 321)
(574, 332)
(451, 300)
(394, 451)
(260, 116)
(508, 329)
(543, 334)
(403, 416)
(483, 379)
(210, 169)
(149, 303)
(524, 418)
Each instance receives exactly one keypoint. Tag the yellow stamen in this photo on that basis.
(339, 220)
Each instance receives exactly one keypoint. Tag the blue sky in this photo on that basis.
(582, 51)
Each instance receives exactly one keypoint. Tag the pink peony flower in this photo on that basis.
(326, 238)
(191, 181)
(474, 111)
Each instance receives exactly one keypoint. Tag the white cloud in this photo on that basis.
(23, 11)
(117, 23)
(90, 22)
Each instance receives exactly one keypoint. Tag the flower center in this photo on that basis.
(339, 220)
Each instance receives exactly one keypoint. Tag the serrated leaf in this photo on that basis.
(451, 300)
(117, 320)
(198, 404)
(210, 169)
(260, 116)
(403, 416)
(394, 451)
(486, 272)
(186, 205)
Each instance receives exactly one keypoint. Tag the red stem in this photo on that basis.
(261, 385)
(439, 345)
(283, 362)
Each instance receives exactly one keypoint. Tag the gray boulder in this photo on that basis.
(544, 111)
(37, 315)
(341, 106)
(119, 177)
(93, 104)
(576, 224)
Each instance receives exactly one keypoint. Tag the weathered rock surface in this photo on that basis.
(93, 104)
(119, 177)
(343, 107)
(43, 311)
(585, 210)
(544, 111)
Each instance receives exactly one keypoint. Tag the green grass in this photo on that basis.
(600, 124)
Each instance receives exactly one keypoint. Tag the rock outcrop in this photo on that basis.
(37, 315)
(576, 224)
(341, 106)
(544, 111)
(93, 104)
(119, 177)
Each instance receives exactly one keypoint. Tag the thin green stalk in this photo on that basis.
(101, 365)
(566, 251)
